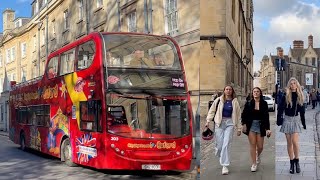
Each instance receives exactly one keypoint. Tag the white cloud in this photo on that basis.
(23, 1)
(270, 8)
(302, 20)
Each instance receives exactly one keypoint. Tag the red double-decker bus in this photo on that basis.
(108, 101)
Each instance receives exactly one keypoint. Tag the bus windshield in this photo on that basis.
(144, 116)
(146, 88)
(140, 51)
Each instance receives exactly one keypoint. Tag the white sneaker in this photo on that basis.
(259, 159)
(253, 168)
(225, 170)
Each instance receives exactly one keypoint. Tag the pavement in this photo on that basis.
(3, 133)
(240, 159)
(309, 146)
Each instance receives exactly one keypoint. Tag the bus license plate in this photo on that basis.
(151, 166)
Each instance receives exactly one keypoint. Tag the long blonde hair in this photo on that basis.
(299, 93)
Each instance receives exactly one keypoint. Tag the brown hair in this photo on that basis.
(233, 95)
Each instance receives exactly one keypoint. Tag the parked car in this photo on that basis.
(271, 103)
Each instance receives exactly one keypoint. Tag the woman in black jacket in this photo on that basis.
(290, 106)
(256, 124)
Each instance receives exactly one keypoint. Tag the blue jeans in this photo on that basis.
(224, 134)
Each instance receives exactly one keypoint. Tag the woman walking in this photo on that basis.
(256, 125)
(291, 105)
(226, 113)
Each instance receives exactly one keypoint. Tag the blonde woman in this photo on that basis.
(226, 112)
(290, 106)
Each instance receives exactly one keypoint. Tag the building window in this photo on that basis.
(233, 10)
(85, 55)
(66, 19)
(8, 56)
(23, 49)
(23, 74)
(80, 9)
(13, 53)
(67, 62)
(299, 60)
(99, 3)
(132, 23)
(171, 16)
(313, 61)
(18, 23)
(307, 60)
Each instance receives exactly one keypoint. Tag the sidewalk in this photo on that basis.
(307, 156)
(241, 160)
(2, 133)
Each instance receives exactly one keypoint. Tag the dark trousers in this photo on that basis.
(314, 103)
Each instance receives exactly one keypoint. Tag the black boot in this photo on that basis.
(291, 166)
(296, 162)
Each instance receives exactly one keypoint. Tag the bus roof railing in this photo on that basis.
(29, 82)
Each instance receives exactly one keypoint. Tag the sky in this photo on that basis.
(279, 22)
(22, 8)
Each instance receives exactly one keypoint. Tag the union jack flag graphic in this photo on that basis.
(86, 148)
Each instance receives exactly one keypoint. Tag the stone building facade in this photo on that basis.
(55, 23)
(300, 62)
(226, 35)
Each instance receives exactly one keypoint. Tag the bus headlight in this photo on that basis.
(122, 152)
(112, 145)
(182, 150)
(178, 153)
(186, 146)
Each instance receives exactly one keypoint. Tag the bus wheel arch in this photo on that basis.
(22, 140)
(65, 151)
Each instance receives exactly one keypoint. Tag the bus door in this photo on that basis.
(90, 142)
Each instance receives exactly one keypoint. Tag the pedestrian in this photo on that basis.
(305, 97)
(226, 113)
(291, 105)
(248, 98)
(256, 125)
(313, 96)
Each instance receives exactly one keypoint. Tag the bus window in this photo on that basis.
(116, 115)
(52, 67)
(86, 54)
(22, 115)
(90, 112)
(67, 62)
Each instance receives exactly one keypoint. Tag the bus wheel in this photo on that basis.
(66, 150)
(22, 142)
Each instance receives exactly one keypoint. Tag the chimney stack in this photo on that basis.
(310, 41)
(298, 44)
(8, 17)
